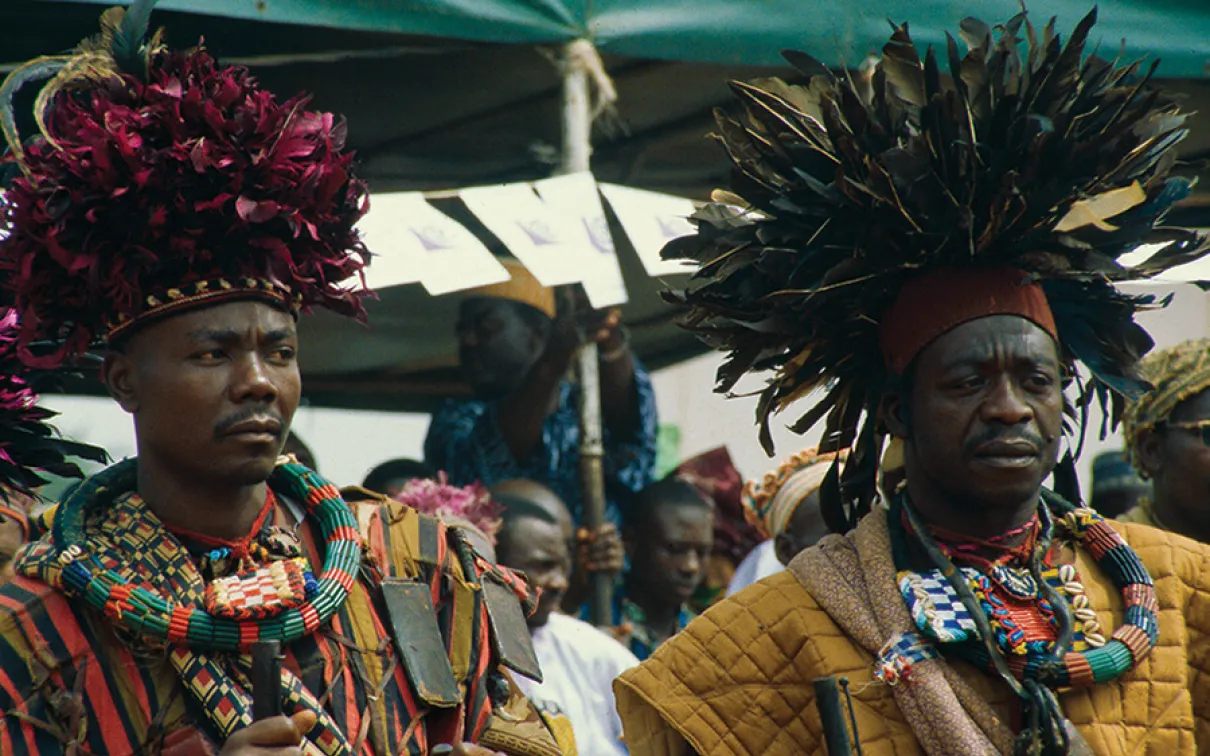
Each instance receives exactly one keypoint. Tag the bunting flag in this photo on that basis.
(556, 227)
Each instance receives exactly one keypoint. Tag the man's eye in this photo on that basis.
(209, 354)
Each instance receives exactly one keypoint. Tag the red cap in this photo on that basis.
(936, 302)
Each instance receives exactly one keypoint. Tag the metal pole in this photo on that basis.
(577, 155)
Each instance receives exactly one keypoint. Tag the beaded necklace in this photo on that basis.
(1061, 667)
(148, 613)
(1034, 674)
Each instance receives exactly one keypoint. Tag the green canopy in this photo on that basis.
(734, 31)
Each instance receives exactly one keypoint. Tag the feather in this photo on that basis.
(129, 47)
(856, 189)
(35, 70)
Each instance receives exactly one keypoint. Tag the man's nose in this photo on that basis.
(1006, 404)
(253, 379)
(557, 581)
(691, 563)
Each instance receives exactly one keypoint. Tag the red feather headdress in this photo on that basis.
(159, 181)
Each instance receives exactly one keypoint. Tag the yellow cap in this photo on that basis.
(521, 287)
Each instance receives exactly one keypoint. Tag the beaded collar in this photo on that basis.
(1034, 674)
(142, 610)
(1059, 667)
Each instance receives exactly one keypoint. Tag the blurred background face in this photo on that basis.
(498, 343)
(1179, 459)
(668, 552)
(539, 549)
(212, 391)
(806, 526)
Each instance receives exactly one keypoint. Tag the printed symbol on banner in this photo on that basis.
(674, 227)
(433, 238)
(598, 232)
(539, 232)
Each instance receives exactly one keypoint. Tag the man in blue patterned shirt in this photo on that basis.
(524, 421)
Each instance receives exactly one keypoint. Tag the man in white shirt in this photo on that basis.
(579, 662)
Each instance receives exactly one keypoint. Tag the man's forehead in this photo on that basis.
(479, 306)
(1196, 407)
(237, 319)
(995, 338)
(682, 515)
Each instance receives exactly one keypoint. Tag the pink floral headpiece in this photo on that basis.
(472, 503)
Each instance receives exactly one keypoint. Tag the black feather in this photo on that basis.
(918, 171)
(129, 46)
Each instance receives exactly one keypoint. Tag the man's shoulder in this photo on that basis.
(591, 642)
(714, 644)
(36, 622)
(1167, 554)
(458, 410)
(23, 598)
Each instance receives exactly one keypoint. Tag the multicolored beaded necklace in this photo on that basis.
(1034, 669)
(289, 603)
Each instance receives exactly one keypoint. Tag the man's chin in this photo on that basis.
(252, 471)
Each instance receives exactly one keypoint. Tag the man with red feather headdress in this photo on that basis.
(935, 254)
(172, 210)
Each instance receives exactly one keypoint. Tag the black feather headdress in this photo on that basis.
(1022, 153)
(28, 444)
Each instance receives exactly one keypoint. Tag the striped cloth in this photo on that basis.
(69, 684)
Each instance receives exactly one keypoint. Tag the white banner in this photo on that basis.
(416, 241)
(548, 243)
(651, 220)
(575, 197)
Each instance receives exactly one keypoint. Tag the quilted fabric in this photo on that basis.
(738, 679)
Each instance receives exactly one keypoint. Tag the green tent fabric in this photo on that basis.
(736, 31)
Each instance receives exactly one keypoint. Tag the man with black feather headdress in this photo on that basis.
(174, 210)
(937, 254)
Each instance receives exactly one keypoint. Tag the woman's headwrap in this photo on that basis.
(29, 446)
(1175, 374)
(869, 214)
(158, 181)
(715, 477)
(770, 503)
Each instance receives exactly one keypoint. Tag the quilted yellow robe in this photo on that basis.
(738, 679)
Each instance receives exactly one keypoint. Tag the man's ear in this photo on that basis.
(783, 547)
(1150, 452)
(894, 413)
(119, 376)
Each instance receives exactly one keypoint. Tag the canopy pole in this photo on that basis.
(577, 157)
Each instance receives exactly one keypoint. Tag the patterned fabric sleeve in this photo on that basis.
(630, 459)
(465, 440)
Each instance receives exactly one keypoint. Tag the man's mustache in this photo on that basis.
(226, 424)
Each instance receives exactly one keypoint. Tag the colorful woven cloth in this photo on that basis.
(1176, 374)
(140, 693)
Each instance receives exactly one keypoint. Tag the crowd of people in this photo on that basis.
(931, 262)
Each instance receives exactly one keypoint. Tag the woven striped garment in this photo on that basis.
(67, 679)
